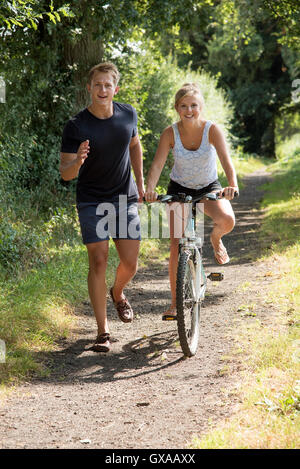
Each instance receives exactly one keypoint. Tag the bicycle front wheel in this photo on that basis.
(188, 308)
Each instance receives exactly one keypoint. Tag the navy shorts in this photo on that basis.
(105, 220)
(175, 188)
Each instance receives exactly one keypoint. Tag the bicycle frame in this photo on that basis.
(191, 280)
(191, 241)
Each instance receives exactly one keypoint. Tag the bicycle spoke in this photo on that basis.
(187, 306)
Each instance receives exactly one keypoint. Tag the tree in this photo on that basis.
(46, 50)
(17, 14)
(253, 47)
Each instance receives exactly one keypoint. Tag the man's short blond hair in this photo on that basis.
(189, 89)
(105, 67)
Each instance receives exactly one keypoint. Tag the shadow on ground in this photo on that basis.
(75, 362)
(139, 357)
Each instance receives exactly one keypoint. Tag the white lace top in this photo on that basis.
(194, 169)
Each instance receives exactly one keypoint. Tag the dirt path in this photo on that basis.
(143, 394)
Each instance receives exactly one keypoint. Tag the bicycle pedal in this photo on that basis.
(216, 276)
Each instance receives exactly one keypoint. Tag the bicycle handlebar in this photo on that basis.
(181, 197)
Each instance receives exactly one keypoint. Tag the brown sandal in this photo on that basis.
(101, 339)
(123, 308)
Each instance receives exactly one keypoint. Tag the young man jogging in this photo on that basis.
(99, 145)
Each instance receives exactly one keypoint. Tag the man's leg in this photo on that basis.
(98, 254)
(128, 250)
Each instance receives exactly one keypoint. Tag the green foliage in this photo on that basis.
(35, 310)
(45, 52)
(287, 14)
(257, 80)
(27, 242)
(282, 199)
(20, 244)
(253, 49)
(149, 82)
(23, 14)
(41, 71)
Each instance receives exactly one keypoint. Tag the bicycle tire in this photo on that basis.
(188, 309)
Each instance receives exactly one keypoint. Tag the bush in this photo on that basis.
(20, 245)
(149, 82)
(37, 209)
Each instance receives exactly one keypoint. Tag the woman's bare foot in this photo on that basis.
(220, 252)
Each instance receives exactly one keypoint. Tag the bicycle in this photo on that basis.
(191, 279)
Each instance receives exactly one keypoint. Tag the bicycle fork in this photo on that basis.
(200, 277)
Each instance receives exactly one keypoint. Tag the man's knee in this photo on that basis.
(98, 262)
(131, 265)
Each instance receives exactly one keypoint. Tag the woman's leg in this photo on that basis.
(173, 264)
(177, 216)
(221, 213)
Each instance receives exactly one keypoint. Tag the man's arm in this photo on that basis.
(70, 163)
(136, 158)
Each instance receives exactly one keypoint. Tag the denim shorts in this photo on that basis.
(105, 220)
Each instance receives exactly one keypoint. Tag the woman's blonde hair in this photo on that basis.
(189, 89)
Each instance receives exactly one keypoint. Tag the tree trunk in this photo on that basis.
(83, 55)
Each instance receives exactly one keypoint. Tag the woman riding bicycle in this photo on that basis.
(195, 142)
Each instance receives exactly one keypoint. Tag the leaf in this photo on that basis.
(33, 24)
(52, 17)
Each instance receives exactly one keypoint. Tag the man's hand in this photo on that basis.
(141, 191)
(150, 196)
(82, 152)
(70, 163)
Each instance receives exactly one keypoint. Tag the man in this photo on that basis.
(98, 145)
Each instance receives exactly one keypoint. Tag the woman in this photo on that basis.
(195, 143)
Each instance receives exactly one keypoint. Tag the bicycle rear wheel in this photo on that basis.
(188, 309)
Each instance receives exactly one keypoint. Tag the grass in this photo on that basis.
(37, 304)
(244, 164)
(282, 201)
(38, 308)
(269, 414)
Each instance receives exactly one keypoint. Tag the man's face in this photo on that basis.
(102, 88)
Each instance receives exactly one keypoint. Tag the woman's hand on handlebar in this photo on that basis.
(230, 192)
(150, 196)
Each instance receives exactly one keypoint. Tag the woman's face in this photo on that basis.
(189, 108)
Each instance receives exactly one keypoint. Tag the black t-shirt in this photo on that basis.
(106, 173)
